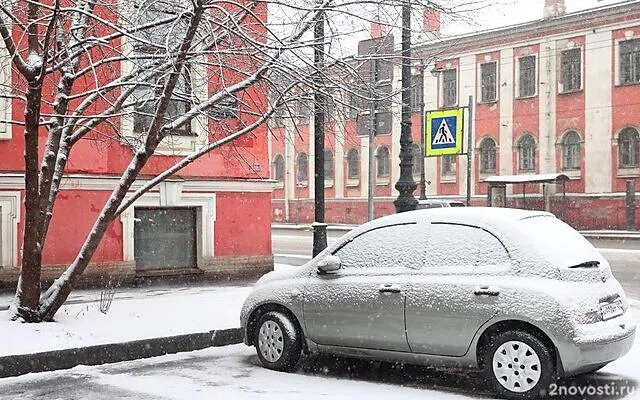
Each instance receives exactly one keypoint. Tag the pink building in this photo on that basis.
(556, 95)
(213, 217)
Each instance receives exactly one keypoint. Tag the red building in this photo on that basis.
(556, 95)
(213, 217)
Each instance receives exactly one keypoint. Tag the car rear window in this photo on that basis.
(557, 242)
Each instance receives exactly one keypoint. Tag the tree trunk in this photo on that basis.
(28, 291)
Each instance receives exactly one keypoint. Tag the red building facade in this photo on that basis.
(557, 95)
(212, 217)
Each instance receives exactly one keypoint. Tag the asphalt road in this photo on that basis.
(291, 246)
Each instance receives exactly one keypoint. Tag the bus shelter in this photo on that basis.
(497, 193)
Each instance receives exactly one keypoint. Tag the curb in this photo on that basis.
(611, 235)
(21, 364)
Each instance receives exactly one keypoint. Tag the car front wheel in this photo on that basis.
(278, 342)
(519, 365)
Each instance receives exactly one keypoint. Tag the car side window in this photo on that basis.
(390, 246)
(454, 245)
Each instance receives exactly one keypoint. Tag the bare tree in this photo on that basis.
(82, 67)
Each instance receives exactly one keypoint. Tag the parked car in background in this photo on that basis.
(439, 203)
(518, 294)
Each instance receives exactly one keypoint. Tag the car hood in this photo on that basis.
(282, 273)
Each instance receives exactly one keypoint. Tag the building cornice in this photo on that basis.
(512, 35)
(15, 181)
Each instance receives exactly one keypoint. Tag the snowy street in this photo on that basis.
(234, 372)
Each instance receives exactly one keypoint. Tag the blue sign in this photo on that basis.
(444, 132)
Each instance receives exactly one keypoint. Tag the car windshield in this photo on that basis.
(560, 244)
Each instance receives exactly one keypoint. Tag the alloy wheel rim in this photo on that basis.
(270, 341)
(516, 366)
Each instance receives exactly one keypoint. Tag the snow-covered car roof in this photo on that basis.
(529, 242)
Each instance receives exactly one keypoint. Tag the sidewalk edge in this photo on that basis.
(21, 364)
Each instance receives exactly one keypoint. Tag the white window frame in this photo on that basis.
(5, 104)
(455, 103)
(535, 77)
(480, 86)
(629, 35)
(172, 145)
(561, 89)
(9, 218)
(382, 180)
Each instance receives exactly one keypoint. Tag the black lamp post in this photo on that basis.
(406, 185)
(319, 227)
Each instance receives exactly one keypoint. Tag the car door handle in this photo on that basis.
(389, 288)
(486, 291)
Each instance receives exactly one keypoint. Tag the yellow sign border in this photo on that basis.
(458, 113)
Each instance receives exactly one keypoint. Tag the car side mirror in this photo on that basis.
(329, 265)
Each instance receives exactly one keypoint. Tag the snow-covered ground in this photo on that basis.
(145, 315)
(231, 372)
(134, 314)
(228, 373)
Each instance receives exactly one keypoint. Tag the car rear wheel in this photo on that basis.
(278, 342)
(519, 365)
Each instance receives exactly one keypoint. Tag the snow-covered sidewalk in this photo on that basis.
(133, 315)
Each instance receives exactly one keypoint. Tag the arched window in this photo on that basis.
(328, 165)
(417, 159)
(487, 155)
(628, 150)
(527, 153)
(303, 168)
(353, 164)
(571, 150)
(278, 168)
(382, 157)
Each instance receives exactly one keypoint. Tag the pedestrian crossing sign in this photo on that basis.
(443, 133)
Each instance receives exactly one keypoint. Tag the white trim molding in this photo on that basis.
(15, 181)
(205, 202)
(9, 218)
(5, 102)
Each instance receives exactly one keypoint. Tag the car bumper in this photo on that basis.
(598, 344)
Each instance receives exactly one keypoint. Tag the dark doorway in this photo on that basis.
(165, 238)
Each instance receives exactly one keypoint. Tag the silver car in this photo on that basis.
(518, 294)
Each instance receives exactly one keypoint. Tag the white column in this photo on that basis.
(466, 88)
(312, 157)
(364, 166)
(430, 103)
(338, 158)
(597, 135)
(547, 107)
(506, 86)
(270, 166)
(290, 165)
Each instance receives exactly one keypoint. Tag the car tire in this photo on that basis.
(278, 342)
(519, 366)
